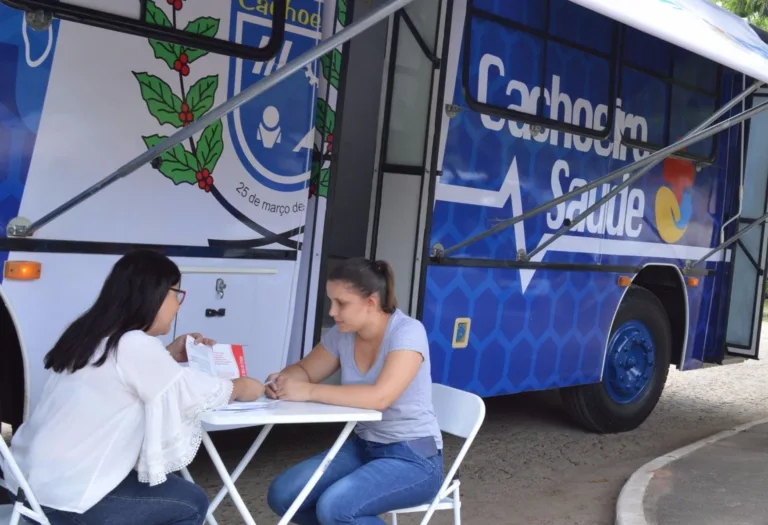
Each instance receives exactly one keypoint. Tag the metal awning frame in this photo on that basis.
(20, 227)
(637, 169)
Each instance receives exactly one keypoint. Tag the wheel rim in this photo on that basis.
(630, 362)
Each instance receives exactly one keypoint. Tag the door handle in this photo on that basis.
(211, 312)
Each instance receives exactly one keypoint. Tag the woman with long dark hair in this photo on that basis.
(383, 355)
(119, 413)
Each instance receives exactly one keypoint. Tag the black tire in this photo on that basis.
(591, 405)
(11, 372)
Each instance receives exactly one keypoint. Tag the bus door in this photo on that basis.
(404, 167)
(748, 255)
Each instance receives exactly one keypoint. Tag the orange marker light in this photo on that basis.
(22, 270)
(692, 281)
(625, 281)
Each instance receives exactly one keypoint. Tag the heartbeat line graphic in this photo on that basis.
(510, 191)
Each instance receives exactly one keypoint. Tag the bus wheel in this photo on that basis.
(11, 372)
(636, 366)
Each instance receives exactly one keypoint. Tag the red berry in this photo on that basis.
(184, 58)
(207, 189)
(190, 116)
(201, 184)
(184, 108)
(206, 172)
(171, 2)
(182, 117)
(177, 5)
(184, 70)
(177, 65)
(209, 180)
(199, 176)
(329, 138)
(186, 124)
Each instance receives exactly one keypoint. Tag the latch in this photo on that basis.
(212, 312)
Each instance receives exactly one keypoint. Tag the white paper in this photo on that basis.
(220, 360)
(242, 406)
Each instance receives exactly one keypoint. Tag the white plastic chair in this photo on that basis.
(461, 414)
(11, 514)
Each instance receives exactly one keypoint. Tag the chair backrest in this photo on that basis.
(458, 412)
(11, 468)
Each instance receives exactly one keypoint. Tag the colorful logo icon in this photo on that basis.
(274, 134)
(674, 200)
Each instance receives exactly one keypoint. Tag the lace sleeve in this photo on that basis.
(173, 431)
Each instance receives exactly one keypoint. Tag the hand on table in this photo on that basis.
(247, 389)
(287, 388)
(269, 386)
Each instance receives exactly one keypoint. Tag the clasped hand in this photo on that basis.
(287, 388)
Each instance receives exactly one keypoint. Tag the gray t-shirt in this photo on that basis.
(411, 416)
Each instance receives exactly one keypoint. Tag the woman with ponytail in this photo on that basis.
(383, 355)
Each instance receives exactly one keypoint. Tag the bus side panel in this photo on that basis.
(494, 169)
(240, 183)
(25, 67)
(714, 198)
(240, 179)
(552, 336)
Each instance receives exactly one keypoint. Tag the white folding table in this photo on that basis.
(277, 413)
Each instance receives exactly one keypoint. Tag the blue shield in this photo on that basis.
(273, 134)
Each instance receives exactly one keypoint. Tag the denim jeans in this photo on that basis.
(364, 480)
(177, 502)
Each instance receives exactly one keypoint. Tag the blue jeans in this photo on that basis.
(177, 502)
(365, 479)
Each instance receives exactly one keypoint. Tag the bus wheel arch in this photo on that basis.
(14, 374)
(646, 336)
(666, 281)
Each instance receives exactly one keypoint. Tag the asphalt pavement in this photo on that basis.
(716, 480)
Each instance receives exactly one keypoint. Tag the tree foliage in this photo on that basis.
(754, 11)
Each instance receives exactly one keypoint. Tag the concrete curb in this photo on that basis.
(629, 507)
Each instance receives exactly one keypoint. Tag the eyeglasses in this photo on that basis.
(180, 294)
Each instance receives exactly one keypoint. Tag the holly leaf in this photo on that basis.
(194, 54)
(161, 101)
(165, 51)
(325, 178)
(205, 26)
(320, 111)
(156, 16)
(330, 122)
(332, 67)
(177, 163)
(210, 146)
(341, 8)
(325, 119)
(314, 173)
(200, 95)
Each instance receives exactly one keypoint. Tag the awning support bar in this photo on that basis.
(738, 235)
(635, 176)
(374, 17)
(694, 136)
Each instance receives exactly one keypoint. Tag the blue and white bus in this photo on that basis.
(572, 192)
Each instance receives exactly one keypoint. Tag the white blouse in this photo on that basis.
(139, 410)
